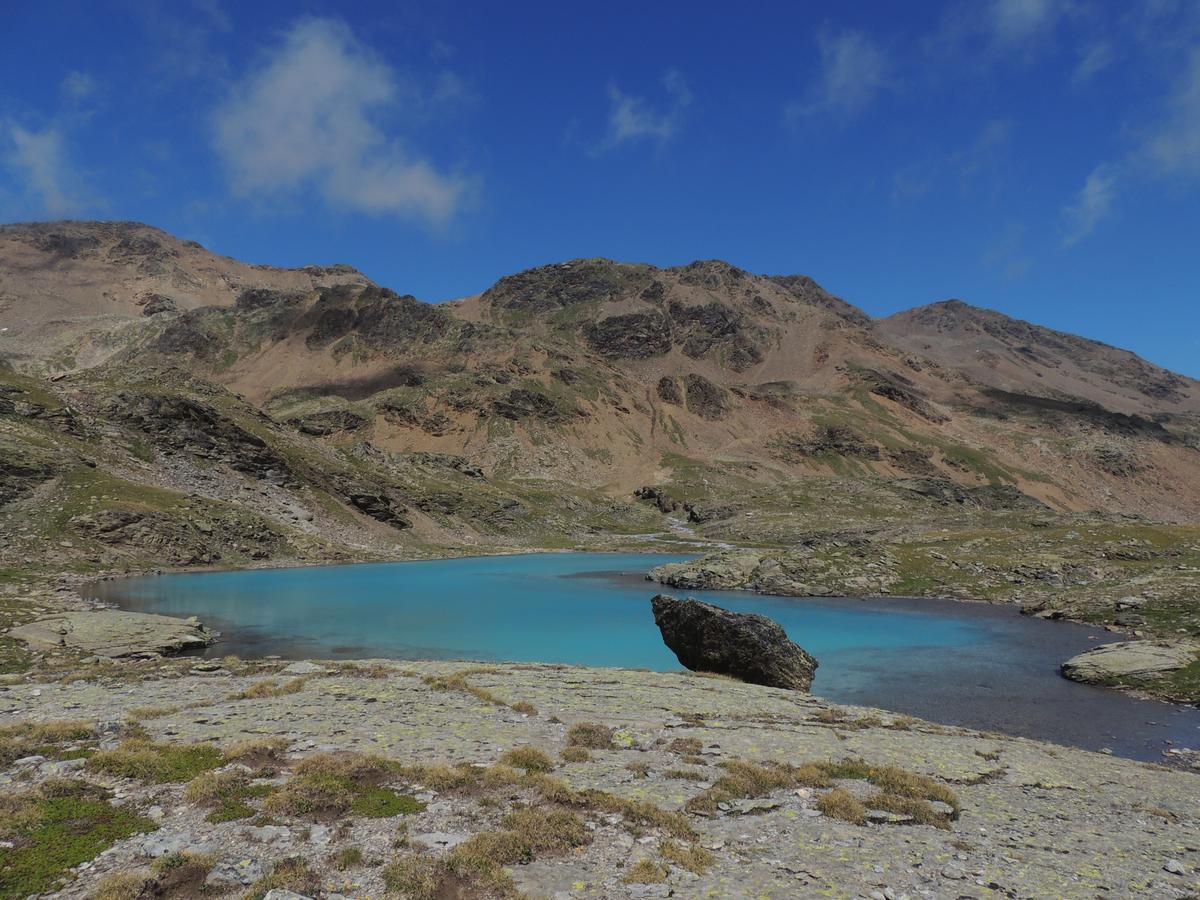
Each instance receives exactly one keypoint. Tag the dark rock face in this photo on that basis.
(329, 422)
(565, 284)
(895, 387)
(20, 474)
(669, 392)
(634, 335)
(753, 648)
(521, 403)
(188, 426)
(706, 399)
(836, 440)
(153, 304)
(381, 508)
(947, 493)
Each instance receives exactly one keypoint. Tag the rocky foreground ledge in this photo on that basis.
(441, 780)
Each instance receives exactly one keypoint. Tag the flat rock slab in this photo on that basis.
(1129, 659)
(114, 634)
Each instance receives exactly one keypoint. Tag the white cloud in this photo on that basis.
(310, 117)
(1006, 253)
(1093, 59)
(40, 167)
(1016, 21)
(1093, 205)
(1174, 146)
(853, 71)
(78, 86)
(632, 118)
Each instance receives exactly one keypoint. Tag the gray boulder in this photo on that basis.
(1130, 659)
(707, 638)
(114, 634)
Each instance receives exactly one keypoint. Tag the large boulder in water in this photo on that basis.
(1130, 659)
(753, 648)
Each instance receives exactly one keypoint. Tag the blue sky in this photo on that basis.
(1040, 157)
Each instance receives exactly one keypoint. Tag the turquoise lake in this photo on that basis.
(968, 664)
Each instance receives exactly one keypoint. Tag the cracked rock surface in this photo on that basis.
(1036, 820)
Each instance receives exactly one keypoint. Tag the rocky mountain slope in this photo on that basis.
(160, 405)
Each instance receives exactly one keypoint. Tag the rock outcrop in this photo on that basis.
(751, 647)
(113, 634)
(1129, 660)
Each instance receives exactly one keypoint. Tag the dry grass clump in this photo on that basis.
(693, 857)
(688, 746)
(141, 713)
(31, 738)
(347, 858)
(213, 787)
(458, 682)
(291, 874)
(123, 885)
(638, 768)
(531, 759)
(646, 871)
(546, 831)
(745, 780)
(154, 763)
(182, 872)
(900, 791)
(475, 867)
(523, 707)
(590, 735)
(225, 793)
(835, 715)
(901, 783)
(258, 751)
(575, 754)
(416, 876)
(329, 785)
(685, 774)
(443, 777)
(263, 689)
(841, 804)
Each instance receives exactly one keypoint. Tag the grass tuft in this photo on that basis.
(646, 871)
(839, 803)
(590, 735)
(531, 759)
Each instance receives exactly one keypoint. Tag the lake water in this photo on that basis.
(965, 664)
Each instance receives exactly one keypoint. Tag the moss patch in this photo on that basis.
(56, 827)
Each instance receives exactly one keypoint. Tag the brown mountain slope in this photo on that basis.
(60, 281)
(1018, 356)
(610, 374)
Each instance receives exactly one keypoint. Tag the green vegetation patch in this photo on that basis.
(57, 739)
(156, 763)
(55, 827)
(327, 786)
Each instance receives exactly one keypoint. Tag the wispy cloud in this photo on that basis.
(78, 86)
(1093, 59)
(48, 185)
(1093, 204)
(978, 34)
(633, 118)
(977, 166)
(1007, 252)
(854, 69)
(311, 117)
(1021, 21)
(1173, 148)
